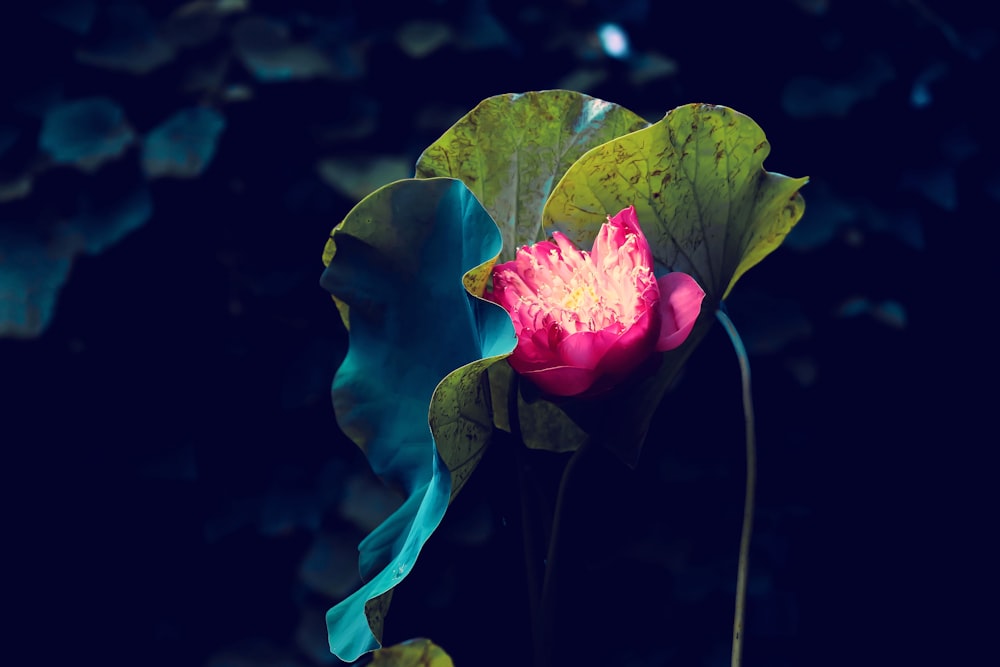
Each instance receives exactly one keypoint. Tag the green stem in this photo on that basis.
(536, 527)
(530, 508)
(748, 502)
(545, 630)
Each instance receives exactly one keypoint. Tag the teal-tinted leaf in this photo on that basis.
(356, 176)
(184, 144)
(197, 23)
(888, 312)
(646, 67)
(903, 223)
(33, 268)
(266, 48)
(418, 39)
(512, 149)
(126, 38)
(86, 132)
(75, 15)
(30, 279)
(107, 214)
(481, 30)
(811, 97)
(403, 266)
(937, 183)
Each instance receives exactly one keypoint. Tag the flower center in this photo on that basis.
(581, 296)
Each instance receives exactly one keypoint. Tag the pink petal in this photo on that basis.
(530, 261)
(507, 286)
(585, 349)
(621, 356)
(562, 380)
(534, 351)
(680, 305)
(626, 219)
(631, 348)
(557, 348)
(639, 250)
(609, 238)
(528, 356)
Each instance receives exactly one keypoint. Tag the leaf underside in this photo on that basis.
(400, 266)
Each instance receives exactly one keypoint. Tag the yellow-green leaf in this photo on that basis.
(461, 421)
(413, 653)
(511, 149)
(541, 423)
(702, 195)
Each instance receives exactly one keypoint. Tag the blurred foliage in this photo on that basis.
(183, 145)
(188, 62)
(215, 282)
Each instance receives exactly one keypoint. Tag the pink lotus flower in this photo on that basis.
(586, 321)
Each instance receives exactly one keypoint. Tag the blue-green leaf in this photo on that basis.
(184, 144)
(406, 267)
(85, 132)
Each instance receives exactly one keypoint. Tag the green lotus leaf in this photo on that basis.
(413, 653)
(699, 187)
(461, 420)
(540, 423)
(401, 265)
(707, 207)
(511, 149)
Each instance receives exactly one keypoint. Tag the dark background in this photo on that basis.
(176, 491)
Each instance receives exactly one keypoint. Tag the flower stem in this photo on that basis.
(748, 502)
(536, 528)
(545, 630)
(530, 508)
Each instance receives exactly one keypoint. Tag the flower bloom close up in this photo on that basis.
(586, 321)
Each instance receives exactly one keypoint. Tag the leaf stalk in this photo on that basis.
(743, 565)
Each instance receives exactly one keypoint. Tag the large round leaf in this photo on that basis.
(401, 264)
(699, 187)
(707, 207)
(511, 149)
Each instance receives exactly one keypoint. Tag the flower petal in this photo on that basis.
(562, 380)
(585, 349)
(595, 316)
(680, 304)
(620, 227)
